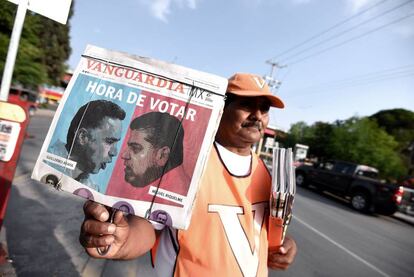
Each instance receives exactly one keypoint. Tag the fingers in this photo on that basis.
(120, 219)
(278, 258)
(289, 249)
(94, 227)
(279, 266)
(284, 256)
(95, 231)
(89, 241)
(96, 211)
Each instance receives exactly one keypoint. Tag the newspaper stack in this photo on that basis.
(282, 195)
(134, 134)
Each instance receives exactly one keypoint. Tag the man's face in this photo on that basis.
(140, 159)
(102, 144)
(162, 218)
(244, 121)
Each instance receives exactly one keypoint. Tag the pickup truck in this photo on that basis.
(357, 183)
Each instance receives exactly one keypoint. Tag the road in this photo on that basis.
(334, 240)
(42, 228)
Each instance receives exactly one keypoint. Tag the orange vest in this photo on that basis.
(227, 235)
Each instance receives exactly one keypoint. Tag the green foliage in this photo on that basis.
(317, 136)
(296, 134)
(30, 71)
(358, 140)
(55, 42)
(394, 119)
(397, 122)
(400, 124)
(43, 48)
(321, 135)
(362, 141)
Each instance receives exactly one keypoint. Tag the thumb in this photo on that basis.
(282, 250)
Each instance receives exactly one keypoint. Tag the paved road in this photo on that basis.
(334, 240)
(42, 229)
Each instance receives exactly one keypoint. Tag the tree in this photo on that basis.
(55, 41)
(363, 141)
(296, 134)
(316, 136)
(43, 48)
(29, 69)
(395, 119)
(358, 140)
(400, 124)
(320, 139)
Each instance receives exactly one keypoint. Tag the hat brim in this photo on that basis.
(274, 100)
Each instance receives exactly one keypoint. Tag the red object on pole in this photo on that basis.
(13, 119)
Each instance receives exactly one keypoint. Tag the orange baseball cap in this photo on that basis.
(250, 85)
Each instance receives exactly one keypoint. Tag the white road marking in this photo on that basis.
(343, 248)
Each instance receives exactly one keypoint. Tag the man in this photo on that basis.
(227, 235)
(154, 149)
(155, 146)
(91, 139)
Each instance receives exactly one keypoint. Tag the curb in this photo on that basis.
(404, 217)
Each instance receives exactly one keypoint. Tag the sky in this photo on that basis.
(360, 60)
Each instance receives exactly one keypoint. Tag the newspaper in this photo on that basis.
(133, 133)
(282, 195)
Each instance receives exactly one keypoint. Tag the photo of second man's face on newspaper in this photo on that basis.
(154, 147)
(160, 150)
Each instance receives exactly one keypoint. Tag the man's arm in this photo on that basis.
(284, 256)
(128, 237)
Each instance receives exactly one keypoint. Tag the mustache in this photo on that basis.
(257, 124)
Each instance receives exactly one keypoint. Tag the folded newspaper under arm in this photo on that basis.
(133, 133)
(282, 196)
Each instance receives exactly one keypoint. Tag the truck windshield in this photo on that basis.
(370, 174)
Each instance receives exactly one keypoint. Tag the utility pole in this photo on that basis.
(272, 82)
(13, 46)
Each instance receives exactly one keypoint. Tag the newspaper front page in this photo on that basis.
(133, 133)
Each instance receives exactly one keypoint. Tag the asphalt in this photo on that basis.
(65, 258)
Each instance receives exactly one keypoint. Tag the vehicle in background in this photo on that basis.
(407, 196)
(25, 98)
(357, 183)
(300, 152)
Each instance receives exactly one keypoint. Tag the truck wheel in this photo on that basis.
(300, 179)
(360, 201)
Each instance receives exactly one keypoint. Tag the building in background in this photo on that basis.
(53, 94)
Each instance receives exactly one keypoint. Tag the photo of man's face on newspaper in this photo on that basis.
(91, 140)
(154, 147)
